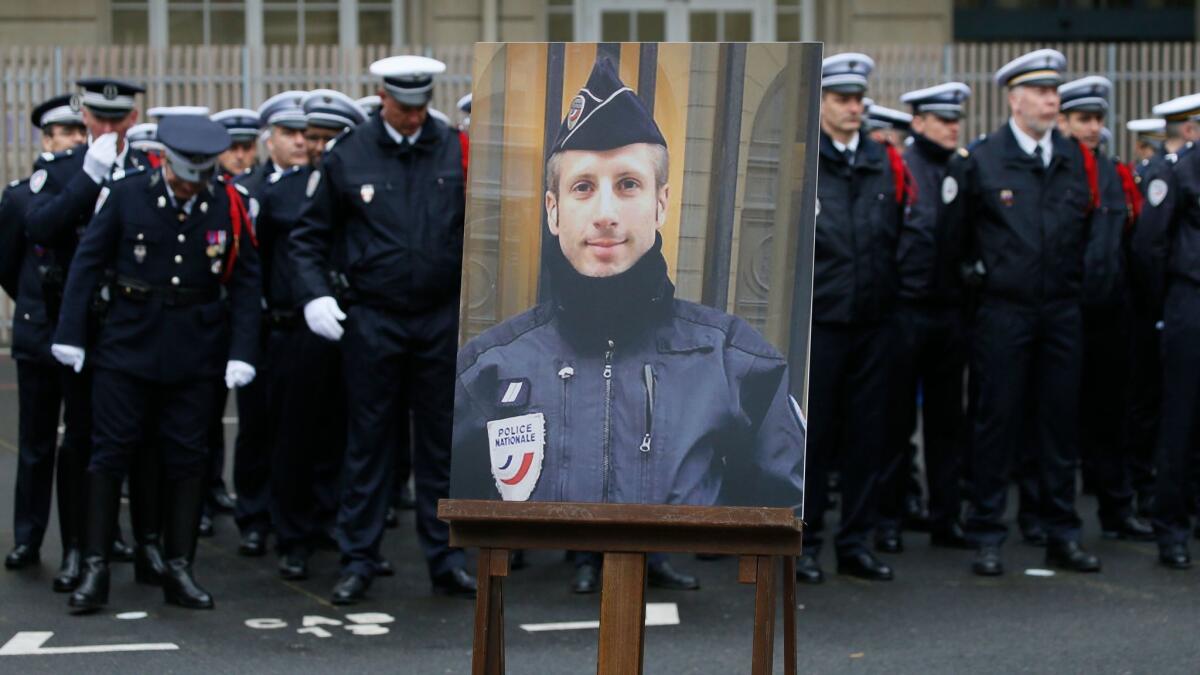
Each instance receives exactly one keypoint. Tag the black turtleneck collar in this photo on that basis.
(931, 150)
(621, 307)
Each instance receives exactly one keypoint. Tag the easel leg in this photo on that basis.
(622, 614)
(764, 615)
(789, 615)
(487, 656)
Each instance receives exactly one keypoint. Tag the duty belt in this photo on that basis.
(175, 296)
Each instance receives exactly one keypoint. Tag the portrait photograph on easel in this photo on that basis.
(637, 274)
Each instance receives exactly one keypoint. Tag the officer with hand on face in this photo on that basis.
(40, 379)
(385, 211)
(186, 308)
(1020, 221)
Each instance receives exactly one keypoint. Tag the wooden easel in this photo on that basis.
(624, 533)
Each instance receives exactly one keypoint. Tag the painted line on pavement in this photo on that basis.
(29, 643)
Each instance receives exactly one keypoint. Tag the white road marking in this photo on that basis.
(1037, 572)
(29, 643)
(131, 616)
(657, 614)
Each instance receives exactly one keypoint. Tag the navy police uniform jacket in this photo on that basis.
(926, 269)
(1104, 268)
(694, 409)
(858, 222)
(281, 197)
(171, 318)
(33, 320)
(1166, 239)
(1026, 223)
(394, 214)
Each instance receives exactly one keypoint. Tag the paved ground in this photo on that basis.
(935, 618)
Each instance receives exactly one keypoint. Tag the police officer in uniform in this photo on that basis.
(242, 155)
(854, 287)
(1149, 134)
(887, 126)
(1166, 245)
(1084, 105)
(930, 331)
(303, 378)
(1021, 218)
(40, 379)
(389, 200)
(186, 307)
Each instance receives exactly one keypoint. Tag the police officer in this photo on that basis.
(144, 137)
(930, 331)
(303, 375)
(1166, 242)
(40, 379)
(1021, 216)
(389, 200)
(887, 126)
(242, 155)
(185, 308)
(1084, 105)
(1149, 134)
(464, 107)
(854, 287)
(252, 447)
(65, 186)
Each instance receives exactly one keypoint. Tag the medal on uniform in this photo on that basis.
(367, 192)
(516, 450)
(139, 253)
(216, 267)
(1006, 197)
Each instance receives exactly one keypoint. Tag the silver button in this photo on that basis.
(174, 281)
(26, 316)
(181, 238)
(140, 236)
(178, 259)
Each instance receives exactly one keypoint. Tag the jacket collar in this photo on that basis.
(869, 155)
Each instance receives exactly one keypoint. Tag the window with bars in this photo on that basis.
(560, 20)
(206, 22)
(130, 23)
(300, 22)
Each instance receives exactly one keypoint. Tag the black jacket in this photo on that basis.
(33, 323)
(281, 197)
(927, 271)
(1104, 276)
(151, 244)
(1026, 223)
(1166, 239)
(858, 223)
(394, 214)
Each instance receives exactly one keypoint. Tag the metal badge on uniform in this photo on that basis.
(1156, 191)
(575, 111)
(367, 192)
(37, 181)
(313, 181)
(949, 189)
(139, 253)
(516, 448)
(514, 393)
(1006, 197)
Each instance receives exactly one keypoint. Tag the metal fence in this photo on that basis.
(220, 77)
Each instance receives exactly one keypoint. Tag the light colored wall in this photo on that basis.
(42, 22)
(456, 22)
(885, 21)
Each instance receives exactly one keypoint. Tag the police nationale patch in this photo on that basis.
(575, 111)
(367, 192)
(517, 447)
(949, 189)
(104, 191)
(514, 393)
(313, 181)
(1156, 191)
(37, 181)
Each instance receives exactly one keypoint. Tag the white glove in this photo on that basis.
(71, 357)
(101, 155)
(238, 374)
(324, 317)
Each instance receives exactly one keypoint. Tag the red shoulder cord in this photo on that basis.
(238, 218)
(465, 142)
(1093, 177)
(1133, 196)
(905, 184)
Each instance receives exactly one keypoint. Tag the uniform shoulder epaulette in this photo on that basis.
(329, 145)
(122, 174)
(242, 189)
(964, 153)
(55, 156)
(18, 181)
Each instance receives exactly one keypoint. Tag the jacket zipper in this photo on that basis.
(607, 465)
(648, 378)
(565, 374)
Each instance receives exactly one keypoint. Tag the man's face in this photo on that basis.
(1084, 127)
(943, 132)
(1144, 150)
(315, 139)
(606, 209)
(841, 114)
(59, 137)
(1034, 107)
(98, 126)
(406, 119)
(182, 189)
(239, 157)
(287, 147)
(1191, 130)
(879, 136)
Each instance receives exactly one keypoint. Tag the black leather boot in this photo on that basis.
(185, 499)
(145, 515)
(103, 499)
(70, 571)
(71, 484)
